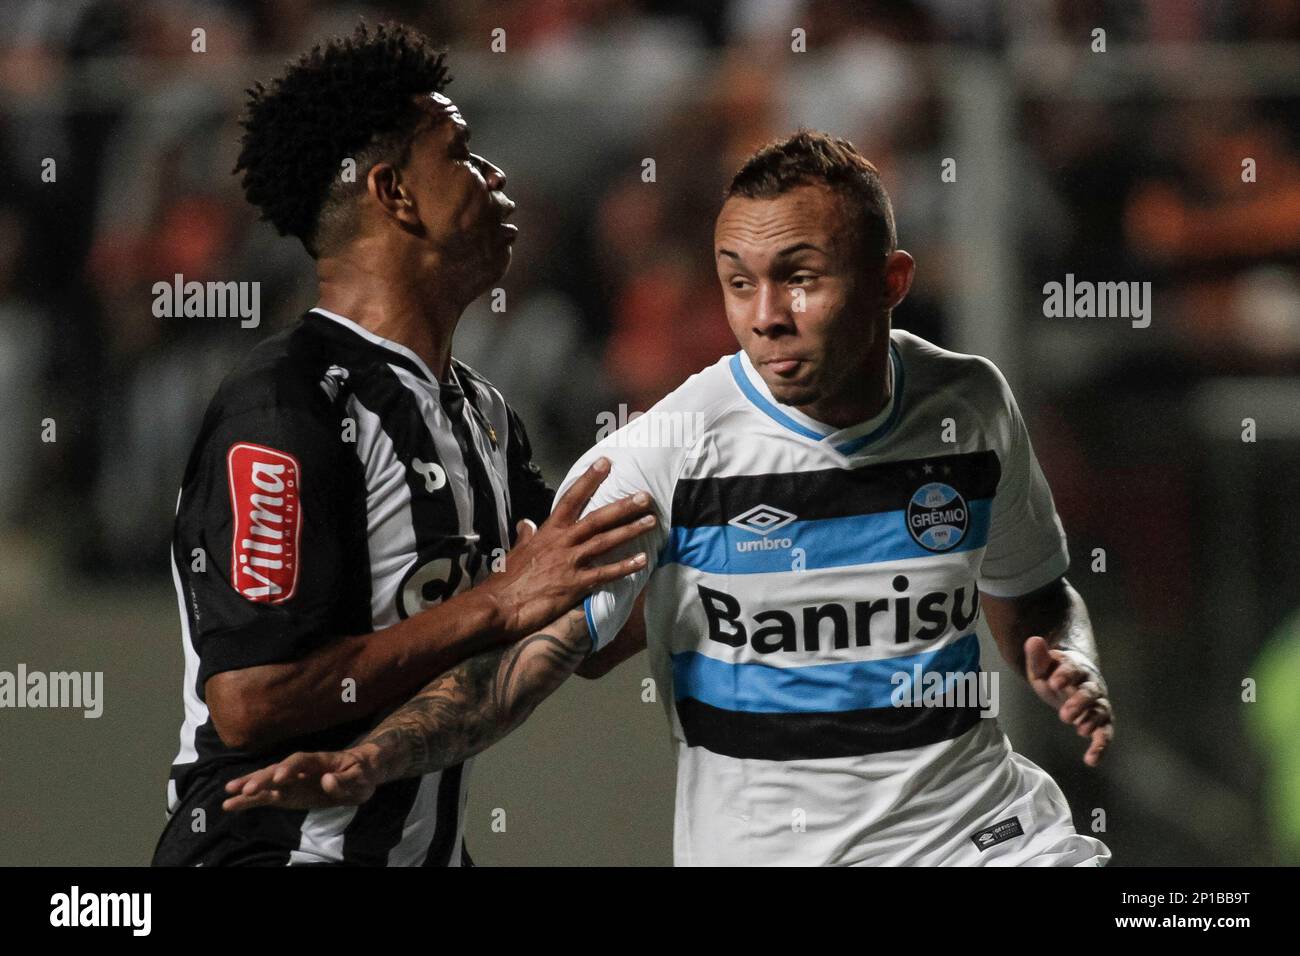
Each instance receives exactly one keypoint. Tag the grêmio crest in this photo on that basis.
(937, 517)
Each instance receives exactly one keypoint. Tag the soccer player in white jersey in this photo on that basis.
(838, 502)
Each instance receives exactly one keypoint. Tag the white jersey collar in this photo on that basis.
(844, 440)
(382, 342)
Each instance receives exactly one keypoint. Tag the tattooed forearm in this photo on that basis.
(532, 669)
(468, 708)
(448, 716)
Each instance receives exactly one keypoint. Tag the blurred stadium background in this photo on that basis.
(1116, 166)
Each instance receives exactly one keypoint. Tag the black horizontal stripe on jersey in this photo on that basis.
(812, 736)
(832, 492)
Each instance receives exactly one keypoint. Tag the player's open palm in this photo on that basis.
(552, 568)
(1074, 691)
(303, 781)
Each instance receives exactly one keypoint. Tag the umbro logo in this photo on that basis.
(762, 520)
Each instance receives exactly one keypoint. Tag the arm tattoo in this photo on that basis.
(468, 708)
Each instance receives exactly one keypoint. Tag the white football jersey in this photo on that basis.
(811, 604)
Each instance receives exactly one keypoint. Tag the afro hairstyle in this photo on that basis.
(350, 97)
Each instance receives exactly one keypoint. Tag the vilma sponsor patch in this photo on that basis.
(265, 503)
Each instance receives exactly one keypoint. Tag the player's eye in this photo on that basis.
(739, 283)
(802, 278)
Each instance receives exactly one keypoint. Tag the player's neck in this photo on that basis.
(865, 395)
(392, 308)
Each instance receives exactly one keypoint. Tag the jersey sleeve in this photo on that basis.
(633, 469)
(530, 496)
(265, 535)
(1026, 544)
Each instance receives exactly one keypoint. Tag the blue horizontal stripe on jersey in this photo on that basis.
(814, 688)
(825, 542)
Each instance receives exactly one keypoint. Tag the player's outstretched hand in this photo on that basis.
(304, 780)
(551, 569)
(1068, 683)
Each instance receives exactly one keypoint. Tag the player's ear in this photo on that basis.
(900, 267)
(384, 183)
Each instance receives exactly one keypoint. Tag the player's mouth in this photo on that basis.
(503, 210)
(785, 367)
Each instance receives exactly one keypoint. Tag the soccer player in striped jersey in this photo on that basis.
(353, 487)
(839, 502)
(848, 500)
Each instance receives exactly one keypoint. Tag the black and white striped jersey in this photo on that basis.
(336, 487)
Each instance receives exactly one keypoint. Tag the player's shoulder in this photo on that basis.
(290, 372)
(710, 391)
(654, 443)
(681, 418)
(929, 367)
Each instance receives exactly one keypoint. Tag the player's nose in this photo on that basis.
(495, 176)
(771, 310)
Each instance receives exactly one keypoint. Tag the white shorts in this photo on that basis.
(1035, 829)
(1004, 811)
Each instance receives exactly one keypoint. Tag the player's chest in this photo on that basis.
(436, 496)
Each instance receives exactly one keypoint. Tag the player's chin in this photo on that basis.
(793, 392)
(504, 257)
(499, 257)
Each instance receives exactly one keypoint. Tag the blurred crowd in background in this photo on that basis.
(1117, 166)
